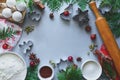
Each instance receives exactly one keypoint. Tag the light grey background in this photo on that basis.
(56, 39)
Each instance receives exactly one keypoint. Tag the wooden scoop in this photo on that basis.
(107, 36)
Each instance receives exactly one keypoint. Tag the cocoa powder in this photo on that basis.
(45, 71)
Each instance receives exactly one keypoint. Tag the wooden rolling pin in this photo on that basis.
(107, 36)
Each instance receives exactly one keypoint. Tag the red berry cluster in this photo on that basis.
(70, 59)
(34, 60)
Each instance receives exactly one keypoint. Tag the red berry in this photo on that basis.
(79, 59)
(32, 63)
(93, 36)
(88, 28)
(51, 15)
(66, 13)
(70, 58)
(5, 46)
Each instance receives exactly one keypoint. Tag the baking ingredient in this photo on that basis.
(93, 36)
(91, 70)
(70, 58)
(107, 36)
(10, 65)
(17, 16)
(21, 6)
(11, 3)
(45, 71)
(6, 12)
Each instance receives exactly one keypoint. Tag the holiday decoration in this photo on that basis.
(51, 15)
(70, 58)
(71, 73)
(113, 15)
(33, 68)
(107, 63)
(93, 36)
(26, 47)
(92, 46)
(113, 20)
(81, 17)
(88, 28)
(67, 14)
(6, 33)
(39, 4)
(29, 29)
(10, 34)
(106, 35)
(79, 59)
(55, 5)
(34, 15)
(62, 64)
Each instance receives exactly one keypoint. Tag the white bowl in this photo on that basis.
(10, 57)
(91, 69)
(48, 78)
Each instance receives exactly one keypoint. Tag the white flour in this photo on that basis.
(10, 65)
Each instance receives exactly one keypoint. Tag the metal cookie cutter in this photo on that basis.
(26, 47)
(35, 15)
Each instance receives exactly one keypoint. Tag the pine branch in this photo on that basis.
(71, 73)
(32, 73)
(113, 18)
(6, 33)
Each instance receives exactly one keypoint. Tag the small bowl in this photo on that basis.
(45, 72)
(91, 69)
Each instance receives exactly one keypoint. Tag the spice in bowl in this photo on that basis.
(45, 72)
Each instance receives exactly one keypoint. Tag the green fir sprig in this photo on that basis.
(55, 5)
(32, 73)
(6, 33)
(112, 16)
(71, 73)
(113, 19)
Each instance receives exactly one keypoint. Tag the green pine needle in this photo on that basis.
(32, 73)
(6, 33)
(71, 73)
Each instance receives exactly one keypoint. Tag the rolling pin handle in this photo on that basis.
(94, 9)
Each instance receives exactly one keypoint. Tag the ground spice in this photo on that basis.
(45, 72)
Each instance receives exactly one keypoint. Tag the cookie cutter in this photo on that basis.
(70, 9)
(26, 47)
(34, 15)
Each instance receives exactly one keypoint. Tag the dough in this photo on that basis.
(7, 12)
